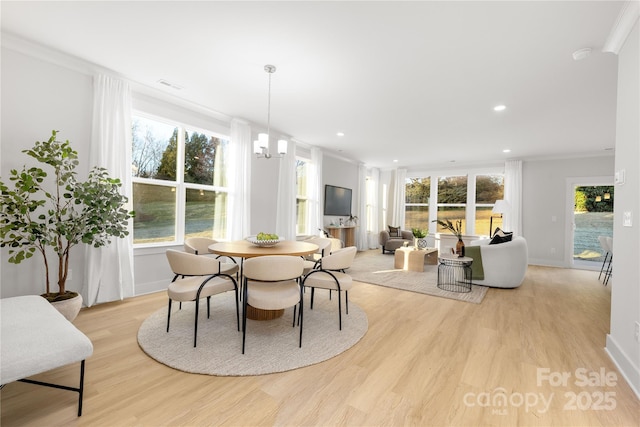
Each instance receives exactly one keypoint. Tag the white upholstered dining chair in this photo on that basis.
(200, 246)
(331, 275)
(197, 277)
(313, 261)
(271, 282)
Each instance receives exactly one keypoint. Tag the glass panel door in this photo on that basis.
(592, 217)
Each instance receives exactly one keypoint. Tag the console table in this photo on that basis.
(346, 233)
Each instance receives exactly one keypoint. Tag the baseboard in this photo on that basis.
(151, 287)
(546, 263)
(630, 372)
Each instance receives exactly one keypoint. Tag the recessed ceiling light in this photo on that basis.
(340, 133)
(499, 108)
(395, 160)
(506, 150)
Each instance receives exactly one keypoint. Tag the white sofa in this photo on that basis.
(504, 264)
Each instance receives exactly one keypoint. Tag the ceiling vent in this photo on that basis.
(169, 84)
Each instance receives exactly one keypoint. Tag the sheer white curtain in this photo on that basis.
(314, 192)
(239, 203)
(372, 221)
(361, 209)
(397, 189)
(109, 270)
(286, 207)
(513, 195)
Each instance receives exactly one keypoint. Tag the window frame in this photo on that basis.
(301, 197)
(470, 206)
(179, 184)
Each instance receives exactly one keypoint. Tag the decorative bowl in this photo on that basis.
(264, 243)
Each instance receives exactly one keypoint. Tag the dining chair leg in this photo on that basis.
(346, 300)
(169, 315)
(340, 309)
(242, 281)
(313, 291)
(606, 255)
(208, 307)
(293, 324)
(609, 271)
(195, 326)
(244, 314)
(301, 321)
(237, 309)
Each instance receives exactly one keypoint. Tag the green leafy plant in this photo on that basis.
(38, 214)
(456, 228)
(419, 233)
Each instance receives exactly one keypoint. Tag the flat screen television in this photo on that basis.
(337, 200)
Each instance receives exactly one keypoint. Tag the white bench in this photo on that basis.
(36, 338)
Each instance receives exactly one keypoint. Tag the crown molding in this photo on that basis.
(622, 28)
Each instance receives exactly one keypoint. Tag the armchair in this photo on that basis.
(390, 244)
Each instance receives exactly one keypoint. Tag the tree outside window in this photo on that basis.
(452, 200)
(489, 188)
(171, 201)
(417, 192)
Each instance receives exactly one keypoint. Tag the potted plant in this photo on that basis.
(58, 213)
(456, 229)
(419, 235)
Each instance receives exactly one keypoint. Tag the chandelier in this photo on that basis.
(261, 146)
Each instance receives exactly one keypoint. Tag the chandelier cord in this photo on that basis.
(269, 108)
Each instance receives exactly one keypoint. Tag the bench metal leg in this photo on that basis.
(79, 390)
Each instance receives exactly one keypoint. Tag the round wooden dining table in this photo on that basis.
(244, 249)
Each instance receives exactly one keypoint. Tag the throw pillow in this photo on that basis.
(394, 232)
(501, 237)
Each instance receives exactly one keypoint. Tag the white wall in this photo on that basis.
(264, 194)
(545, 204)
(625, 283)
(38, 97)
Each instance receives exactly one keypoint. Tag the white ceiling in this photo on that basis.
(412, 81)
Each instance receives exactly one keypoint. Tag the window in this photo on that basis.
(179, 182)
(302, 196)
(452, 199)
(370, 204)
(468, 198)
(417, 193)
(489, 188)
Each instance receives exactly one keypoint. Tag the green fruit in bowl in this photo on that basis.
(266, 236)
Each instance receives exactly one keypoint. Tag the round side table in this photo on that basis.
(454, 273)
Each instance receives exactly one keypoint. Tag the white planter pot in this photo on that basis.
(420, 242)
(69, 308)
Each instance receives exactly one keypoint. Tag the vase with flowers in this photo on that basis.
(456, 229)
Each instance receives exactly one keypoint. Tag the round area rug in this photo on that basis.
(271, 345)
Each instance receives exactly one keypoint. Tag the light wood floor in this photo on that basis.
(424, 361)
